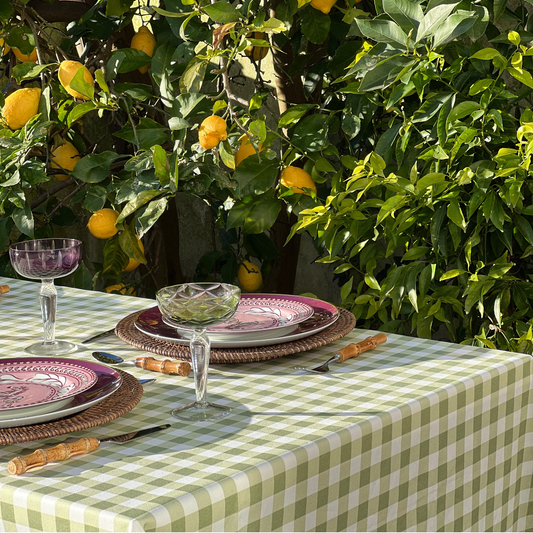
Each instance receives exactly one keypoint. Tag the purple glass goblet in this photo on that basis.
(47, 259)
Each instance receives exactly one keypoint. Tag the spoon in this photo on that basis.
(181, 368)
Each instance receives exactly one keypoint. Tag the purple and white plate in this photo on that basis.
(151, 323)
(36, 385)
(107, 382)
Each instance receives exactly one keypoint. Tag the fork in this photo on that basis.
(352, 350)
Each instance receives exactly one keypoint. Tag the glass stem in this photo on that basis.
(200, 349)
(48, 297)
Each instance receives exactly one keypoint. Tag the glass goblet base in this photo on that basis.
(51, 348)
(197, 411)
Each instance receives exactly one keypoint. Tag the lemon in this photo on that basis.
(102, 223)
(245, 150)
(120, 287)
(32, 58)
(4, 47)
(145, 41)
(323, 5)
(65, 157)
(212, 131)
(257, 52)
(250, 277)
(67, 70)
(132, 265)
(296, 178)
(20, 106)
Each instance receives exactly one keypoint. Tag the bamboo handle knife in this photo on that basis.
(181, 368)
(354, 349)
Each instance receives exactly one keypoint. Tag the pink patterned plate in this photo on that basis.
(30, 386)
(150, 322)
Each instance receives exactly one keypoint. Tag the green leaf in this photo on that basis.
(432, 20)
(28, 71)
(145, 134)
(161, 165)
(147, 216)
(254, 177)
(294, 114)
(480, 86)
(389, 207)
(222, 12)
(115, 260)
(117, 8)
(372, 282)
(315, 25)
(385, 74)
(430, 179)
(23, 218)
(141, 199)
(524, 227)
(193, 77)
(94, 168)
(383, 31)
(450, 274)
(462, 110)
(82, 278)
(6, 12)
(311, 134)
(22, 38)
(346, 289)
(95, 198)
(262, 216)
(100, 79)
(406, 13)
(79, 111)
(454, 26)
(487, 54)
(522, 76)
(128, 60)
(81, 86)
(129, 243)
(455, 214)
(415, 253)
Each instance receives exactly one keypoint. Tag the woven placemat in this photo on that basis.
(127, 396)
(127, 331)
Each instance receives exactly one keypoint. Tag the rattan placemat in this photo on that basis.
(127, 331)
(127, 396)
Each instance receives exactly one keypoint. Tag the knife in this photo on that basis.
(63, 451)
(107, 333)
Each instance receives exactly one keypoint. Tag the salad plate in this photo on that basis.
(151, 323)
(107, 382)
(34, 385)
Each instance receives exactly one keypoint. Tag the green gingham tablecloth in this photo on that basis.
(416, 435)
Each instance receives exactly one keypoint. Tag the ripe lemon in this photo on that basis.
(323, 5)
(132, 265)
(296, 178)
(65, 156)
(102, 223)
(257, 52)
(212, 131)
(250, 277)
(245, 150)
(20, 106)
(67, 70)
(5, 47)
(120, 287)
(145, 41)
(32, 58)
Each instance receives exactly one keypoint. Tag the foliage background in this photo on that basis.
(412, 118)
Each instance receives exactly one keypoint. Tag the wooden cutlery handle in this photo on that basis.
(182, 368)
(63, 451)
(354, 349)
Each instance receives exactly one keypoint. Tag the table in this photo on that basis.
(416, 435)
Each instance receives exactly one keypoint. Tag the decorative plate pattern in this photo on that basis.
(108, 381)
(324, 314)
(30, 386)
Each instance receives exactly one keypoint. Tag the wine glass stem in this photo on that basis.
(200, 349)
(48, 297)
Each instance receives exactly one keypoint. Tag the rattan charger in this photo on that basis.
(127, 396)
(127, 331)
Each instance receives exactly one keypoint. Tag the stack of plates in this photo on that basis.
(260, 320)
(34, 390)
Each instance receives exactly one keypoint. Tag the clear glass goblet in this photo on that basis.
(194, 307)
(47, 259)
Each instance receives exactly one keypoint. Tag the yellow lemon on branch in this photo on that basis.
(145, 41)
(296, 179)
(102, 223)
(65, 157)
(212, 131)
(67, 70)
(249, 276)
(20, 106)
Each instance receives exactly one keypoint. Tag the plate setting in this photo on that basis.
(274, 328)
(35, 388)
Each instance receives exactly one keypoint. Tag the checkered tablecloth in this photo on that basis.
(416, 435)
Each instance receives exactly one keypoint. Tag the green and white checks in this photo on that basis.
(416, 435)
